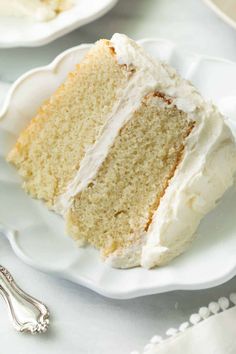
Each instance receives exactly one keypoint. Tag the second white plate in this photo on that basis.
(39, 239)
(23, 32)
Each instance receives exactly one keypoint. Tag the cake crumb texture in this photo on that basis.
(48, 152)
(116, 208)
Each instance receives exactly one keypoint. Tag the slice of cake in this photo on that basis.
(129, 153)
(40, 10)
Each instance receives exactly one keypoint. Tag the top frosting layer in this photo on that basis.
(184, 95)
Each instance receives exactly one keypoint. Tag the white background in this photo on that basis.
(81, 321)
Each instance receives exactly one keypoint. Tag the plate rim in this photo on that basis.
(124, 294)
(220, 13)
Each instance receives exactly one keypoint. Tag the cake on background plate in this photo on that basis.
(129, 153)
(39, 10)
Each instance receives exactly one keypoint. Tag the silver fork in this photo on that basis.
(26, 313)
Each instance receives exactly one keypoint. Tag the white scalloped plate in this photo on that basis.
(22, 32)
(40, 240)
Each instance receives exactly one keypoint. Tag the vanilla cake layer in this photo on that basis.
(130, 154)
(116, 208)
(48, 153)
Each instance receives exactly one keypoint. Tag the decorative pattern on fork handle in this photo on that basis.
(26, 313)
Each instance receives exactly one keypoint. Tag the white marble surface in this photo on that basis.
(83, 322)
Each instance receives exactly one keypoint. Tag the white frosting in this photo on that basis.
(202, 177)
(205, 172)
(35, 9)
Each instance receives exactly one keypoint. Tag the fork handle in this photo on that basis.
(26, 313)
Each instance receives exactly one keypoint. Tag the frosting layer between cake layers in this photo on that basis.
(198, 181)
